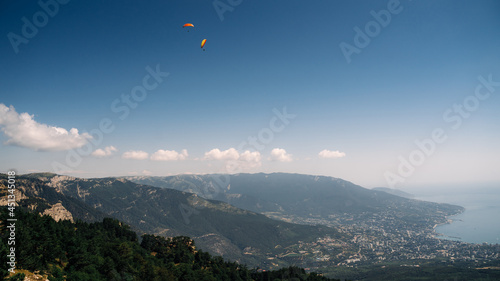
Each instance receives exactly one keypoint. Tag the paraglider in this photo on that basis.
(188, 25)
(203, 43)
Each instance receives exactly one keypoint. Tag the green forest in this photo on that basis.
(110, 250)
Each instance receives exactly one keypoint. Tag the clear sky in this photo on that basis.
(338, 88)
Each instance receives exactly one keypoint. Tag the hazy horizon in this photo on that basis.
(419, 190)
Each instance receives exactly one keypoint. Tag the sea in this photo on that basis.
(479, 223)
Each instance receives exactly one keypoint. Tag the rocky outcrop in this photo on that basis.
(58, 212)
(4, 199)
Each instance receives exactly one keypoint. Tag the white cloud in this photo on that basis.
(331, 154)
(248, 156)
(279, 154)
(23, 130)
(216, 154)
(107, 151)
(246, 161)
(147, 173)
(235, 161)
(250, 160)
(169, 155)
(135, 154)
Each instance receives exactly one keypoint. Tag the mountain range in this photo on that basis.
(217, 227)
(307, 198)
(257, 219)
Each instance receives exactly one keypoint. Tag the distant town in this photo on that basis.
(382, 239)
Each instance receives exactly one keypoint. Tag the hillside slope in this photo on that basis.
(216, 226)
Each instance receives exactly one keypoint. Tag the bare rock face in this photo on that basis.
(58, 212)
(58, 182)
(4, 196)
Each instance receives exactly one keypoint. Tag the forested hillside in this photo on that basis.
(109, 250)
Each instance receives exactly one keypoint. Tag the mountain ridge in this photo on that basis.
(170, 212)
(396, 192)
(305, 198)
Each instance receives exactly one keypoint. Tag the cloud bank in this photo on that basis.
(22, 130)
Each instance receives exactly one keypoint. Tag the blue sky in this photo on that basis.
(356, 117)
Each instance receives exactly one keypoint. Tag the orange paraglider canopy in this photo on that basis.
(203, 42)
(188, 24)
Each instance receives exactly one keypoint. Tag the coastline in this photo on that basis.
(438, 235)
(472, 224)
